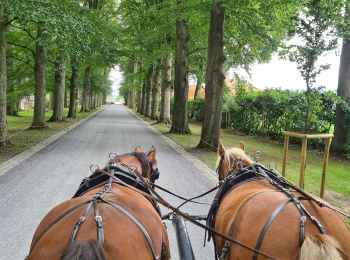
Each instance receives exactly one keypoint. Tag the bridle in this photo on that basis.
(146, 164)
(236, 166)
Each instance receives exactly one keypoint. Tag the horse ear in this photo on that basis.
(152, 154)
(241, 145)
(221, 148)
(137, 149)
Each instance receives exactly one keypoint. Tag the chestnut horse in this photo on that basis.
(106, 220)
(260, 209)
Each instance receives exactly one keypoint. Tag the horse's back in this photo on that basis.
(123, 239)
(244, 212)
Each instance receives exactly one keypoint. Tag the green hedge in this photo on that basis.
(270, 112)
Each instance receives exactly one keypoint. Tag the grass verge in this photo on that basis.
(28, 138)
(338, 171)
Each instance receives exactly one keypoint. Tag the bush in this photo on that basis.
(196, 109)
(272, 111)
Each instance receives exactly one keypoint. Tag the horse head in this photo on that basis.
(230, 159)
(145, 163)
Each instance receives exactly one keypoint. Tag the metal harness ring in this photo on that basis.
(94, 165)
(132, 167)
(114, 157)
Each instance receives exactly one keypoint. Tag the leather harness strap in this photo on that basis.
(267, 226)
(98, 219)
(92, 204)
(79, 222)
(137, 223)
(43, 232)
(227, 243)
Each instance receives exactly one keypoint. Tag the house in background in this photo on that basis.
(26, 102)
(230, 83)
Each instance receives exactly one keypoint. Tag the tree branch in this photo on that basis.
(25, 30)
(13, 19)
(21, 46)
(195, 50)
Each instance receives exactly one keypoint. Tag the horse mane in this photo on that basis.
(235, 153)
(142, 157)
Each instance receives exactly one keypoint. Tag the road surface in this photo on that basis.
(32, 188)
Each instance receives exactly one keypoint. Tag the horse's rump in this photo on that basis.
(123, 238)
(244, 212)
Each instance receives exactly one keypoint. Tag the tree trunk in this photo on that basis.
(341, 132)
(156, 91)
(180, 114)
(40, 71)
(11, 103)
(50, 101)
(128, 99)
(3, 80)
(85, 106)
(143, 97)
(214, 80)
(66, 101)
(12, 109)
(133, 90)
(73, 91)
(198, 90)
(59, 88)
(166, 91)
(139, 100)
(149, 92)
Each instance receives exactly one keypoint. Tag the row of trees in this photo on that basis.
(166, 41)
(54, 46)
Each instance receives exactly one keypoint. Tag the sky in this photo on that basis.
(284, 74)
(276, 73)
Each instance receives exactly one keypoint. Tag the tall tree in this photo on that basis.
(316, 28)
(40, 71)
(180, 114)
(3, 81)
(85, 106)
(148, 106)
(59, 87)
(73, 89)
(341, 129)
(254, 29)
(215, 77)
(156, 91)
(166, 91)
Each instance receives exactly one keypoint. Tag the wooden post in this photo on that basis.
(325, 164)
(304, 138)
(285, 155)
(302, 163)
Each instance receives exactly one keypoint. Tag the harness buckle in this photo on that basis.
(302, 221)
(99, 221)
(81, 220)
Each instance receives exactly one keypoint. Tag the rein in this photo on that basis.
(192, 200)
(156, 197)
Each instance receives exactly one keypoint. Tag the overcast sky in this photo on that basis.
(276, 73)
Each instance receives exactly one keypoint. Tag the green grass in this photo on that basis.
(338, 172)
(28, 138)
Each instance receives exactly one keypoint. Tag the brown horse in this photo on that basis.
(258, 208)
(106, 220)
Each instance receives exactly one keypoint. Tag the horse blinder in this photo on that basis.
(155, 175)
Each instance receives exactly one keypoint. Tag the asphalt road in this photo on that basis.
(32, 188)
